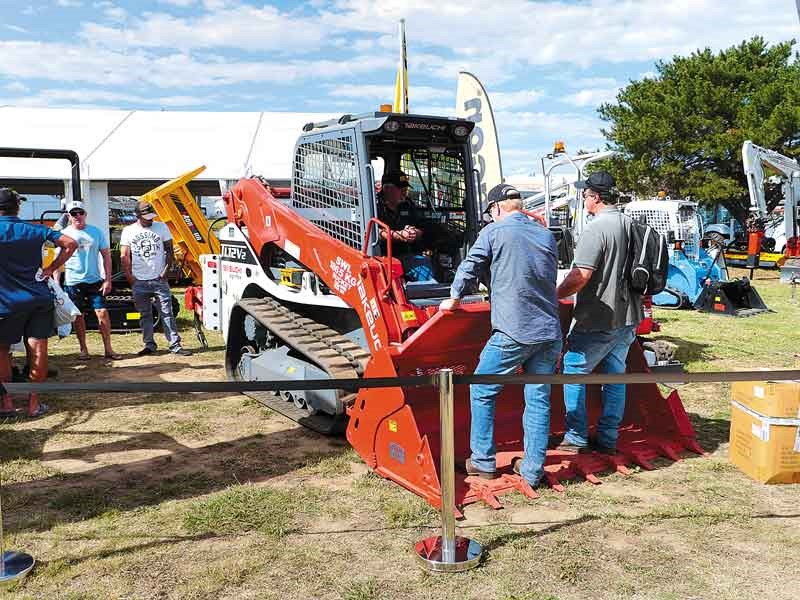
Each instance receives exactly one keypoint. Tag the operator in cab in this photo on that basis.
(400, 214)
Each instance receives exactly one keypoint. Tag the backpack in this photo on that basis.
(648, 259)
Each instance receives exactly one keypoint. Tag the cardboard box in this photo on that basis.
(765, 448)
(769, 398)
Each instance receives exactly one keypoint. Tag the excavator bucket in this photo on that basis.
(735, 298)
(396, 430)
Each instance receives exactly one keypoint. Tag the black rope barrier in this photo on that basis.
(387, 382)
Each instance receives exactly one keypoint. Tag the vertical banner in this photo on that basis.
(472, 104)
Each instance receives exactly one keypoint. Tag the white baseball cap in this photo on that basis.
(75, 204)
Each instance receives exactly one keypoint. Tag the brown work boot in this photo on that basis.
(472, 470)
(567, 448)
(516, 466)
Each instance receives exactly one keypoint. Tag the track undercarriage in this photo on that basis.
(298, 348)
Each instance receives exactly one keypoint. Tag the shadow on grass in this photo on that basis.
(175, 472)
(710, 432)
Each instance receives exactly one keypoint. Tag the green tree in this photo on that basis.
(682, 131)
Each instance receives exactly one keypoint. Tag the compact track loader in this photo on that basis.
(305, 287)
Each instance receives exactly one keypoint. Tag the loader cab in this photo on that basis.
(337, 172)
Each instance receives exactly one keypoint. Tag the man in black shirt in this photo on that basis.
(400, 214)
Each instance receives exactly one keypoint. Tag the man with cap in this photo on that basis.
(26, 303)
(146, 252)
(522, 260)
(605, 318)
(84, 281)
(400, 214)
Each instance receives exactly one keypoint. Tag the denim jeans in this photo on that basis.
(606, 351)
(502, 356)
(143, 293)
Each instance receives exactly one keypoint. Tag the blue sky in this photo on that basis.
(546, 64)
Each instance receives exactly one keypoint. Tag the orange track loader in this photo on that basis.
(305, 287)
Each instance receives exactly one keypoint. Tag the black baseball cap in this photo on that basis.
(9, 198)
(601, 182)
(502, 191)
(397, 178)
(143, 207)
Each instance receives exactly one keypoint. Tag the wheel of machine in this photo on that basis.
(245, 353)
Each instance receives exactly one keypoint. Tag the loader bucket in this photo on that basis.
(396, 430)
(735, 298)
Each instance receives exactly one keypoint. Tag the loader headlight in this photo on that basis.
(460, 131)
(391, 126)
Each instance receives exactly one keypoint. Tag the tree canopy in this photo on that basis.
(682, 130)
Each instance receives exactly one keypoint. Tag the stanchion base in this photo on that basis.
(429, 554)
(17, 565)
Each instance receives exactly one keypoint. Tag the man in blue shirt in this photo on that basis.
(26, 304)
(522, 259)
(86, 285)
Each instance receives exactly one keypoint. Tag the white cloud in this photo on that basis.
(16, 28)
(115, 13)
(592, 97)
(416, 93)
(514, 100)
(179, 3)
(76, 98)
(241, 26)
(69, 3)
(16, 87)
(103, 66)
(632, 30)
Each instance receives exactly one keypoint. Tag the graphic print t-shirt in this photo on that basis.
(147, 249)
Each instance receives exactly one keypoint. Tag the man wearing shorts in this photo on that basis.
(86, 285)
(26, 304)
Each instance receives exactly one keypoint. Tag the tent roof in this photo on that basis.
(153, 145)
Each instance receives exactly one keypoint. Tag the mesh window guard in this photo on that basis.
(327, 187)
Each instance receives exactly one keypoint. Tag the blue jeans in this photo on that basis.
(143, 293)
(606, 351)
(502, 356)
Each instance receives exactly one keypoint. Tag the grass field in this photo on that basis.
(205, 496)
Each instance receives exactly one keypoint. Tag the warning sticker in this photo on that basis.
(408, 315)
(392, 426)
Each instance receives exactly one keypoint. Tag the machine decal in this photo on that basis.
(238, 252)
(292, 249)
(397, 452)
(392, 425)
(409, 315)
(343, 280)
(372, 313)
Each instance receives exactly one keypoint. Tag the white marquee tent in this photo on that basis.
(149, 146)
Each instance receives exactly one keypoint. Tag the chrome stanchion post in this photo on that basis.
(13, 565)
(448, 552)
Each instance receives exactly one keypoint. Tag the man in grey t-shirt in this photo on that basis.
(606, 316)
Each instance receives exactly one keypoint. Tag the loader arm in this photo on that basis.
(359, 280)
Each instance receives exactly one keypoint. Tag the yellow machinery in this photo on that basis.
(178, 210)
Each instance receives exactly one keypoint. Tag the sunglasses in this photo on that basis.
(77, 213)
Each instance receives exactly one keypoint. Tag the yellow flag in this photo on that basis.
(400, 104)
(397, 106)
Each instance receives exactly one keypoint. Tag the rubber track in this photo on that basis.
(337, 355)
